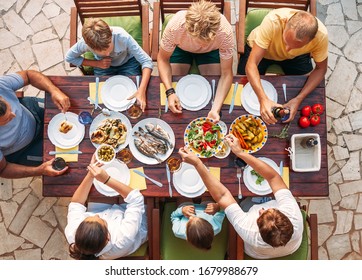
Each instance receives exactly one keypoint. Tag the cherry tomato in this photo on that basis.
(306, 111)
(318, 109)
(315, 120)
(304, 122)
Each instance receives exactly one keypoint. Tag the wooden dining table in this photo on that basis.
(302, 184)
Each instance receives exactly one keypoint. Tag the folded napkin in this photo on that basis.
(286, 176)
(137, 182)
(237, 101)
(68, 157)
(163, 92)
(215, 171)
(92, 91)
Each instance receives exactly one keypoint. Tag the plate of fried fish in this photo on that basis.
(114, 130)
(153, 141)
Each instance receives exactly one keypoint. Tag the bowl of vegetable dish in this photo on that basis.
(203, 137)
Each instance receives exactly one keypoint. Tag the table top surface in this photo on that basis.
(301, 183)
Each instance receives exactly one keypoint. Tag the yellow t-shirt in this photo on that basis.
(269, 36)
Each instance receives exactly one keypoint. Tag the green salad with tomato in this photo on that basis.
(204, 137)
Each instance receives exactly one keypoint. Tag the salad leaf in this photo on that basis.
(259, 178)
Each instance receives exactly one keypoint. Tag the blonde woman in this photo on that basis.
(202, 34)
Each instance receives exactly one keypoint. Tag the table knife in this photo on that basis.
(285, 92)
(66, 152)
(169, 180)
(233, 98)
(97, 86)
(166, 105)
(281, 168)
(145, 176)
(213, 91)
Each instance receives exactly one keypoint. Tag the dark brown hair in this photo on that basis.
(199, 233)
(3, 108)
(90, 238)
(97, 34)
(275, 228)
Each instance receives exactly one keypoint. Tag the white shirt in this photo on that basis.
(247, 228)
(127, 225)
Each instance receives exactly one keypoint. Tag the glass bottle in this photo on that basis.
(281, 113)
(309, 142)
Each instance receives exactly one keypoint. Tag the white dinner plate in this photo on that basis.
(194, 92)
(141, 157)
(250, 100)
(114, 115)
(250, 180)
(188, 182)
(117, 170)
(66, 140)
(115, 92)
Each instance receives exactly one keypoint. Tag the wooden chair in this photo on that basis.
(128, 14)
(252, 13)
(163, 11)
(169, 247)
(309, 241)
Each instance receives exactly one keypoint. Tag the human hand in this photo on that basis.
(188, 211)
(61, 100)
(47, 169)
(104, 63)
(292, 105)
(174, 104)
(233, 143)
(188, 156)
(140, 99)
(97, 172)
(266, 111)
(214, 115)
(212, 208)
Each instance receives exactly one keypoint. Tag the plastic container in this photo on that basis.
(305, 159)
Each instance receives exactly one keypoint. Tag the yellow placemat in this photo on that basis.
(286, 176)
(237, 101)
(92, 91)
(163, 92)
(137, 182)
(68, 157)
(215, 171)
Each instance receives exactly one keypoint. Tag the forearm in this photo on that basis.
(165, 71)
(119, 187)
(90, 62)
(14, 171)
(314, 79)
(82, 192)
(222, 91)
(40, 81)
(146, 75)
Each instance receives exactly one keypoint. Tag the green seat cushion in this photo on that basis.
(252, 20)
(132, 24)
(302, 252)
(194, 69)
(173, 248)
(141, 251)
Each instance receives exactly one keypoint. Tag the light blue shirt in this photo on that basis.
(19, 132)
(179, 221)
(125, 47)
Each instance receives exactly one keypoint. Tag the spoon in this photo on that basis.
(105, 111)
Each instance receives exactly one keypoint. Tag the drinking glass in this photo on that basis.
(85, 117)
(59, 163)
(174, 164)
(134, 111)
(125, 155)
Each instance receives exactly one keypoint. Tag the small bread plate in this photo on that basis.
(250, 179)
(251, 132)
(203, 137)
(69, 139)
(188, 182)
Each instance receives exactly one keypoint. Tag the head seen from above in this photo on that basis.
(199, 233)
(275, 228)
(6, 115)
(98, 36)
(203, 20)
(90, 238)
(300, 29)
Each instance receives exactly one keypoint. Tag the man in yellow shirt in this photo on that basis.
(289, 38)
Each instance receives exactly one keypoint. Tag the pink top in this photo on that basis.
(175, 34)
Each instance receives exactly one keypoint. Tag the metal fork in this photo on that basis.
(238, 175)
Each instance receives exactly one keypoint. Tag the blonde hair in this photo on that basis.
(203, 20)
(304, 24)
(97, 34)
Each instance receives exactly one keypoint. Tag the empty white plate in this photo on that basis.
(250, 100)
(117, 170)
(188, 182)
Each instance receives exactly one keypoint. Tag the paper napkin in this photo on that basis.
(163, 92)
(137, 182)
(92, 91)
(286, 176)
(237, 101)
(68, 157)
(215, 171)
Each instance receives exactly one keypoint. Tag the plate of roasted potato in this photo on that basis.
(251, 132)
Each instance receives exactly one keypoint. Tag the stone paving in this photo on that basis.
(35, 35)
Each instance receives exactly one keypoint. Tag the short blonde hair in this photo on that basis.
(304, 24)
(203, 20)
(97, 34)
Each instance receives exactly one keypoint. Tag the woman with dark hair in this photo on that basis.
(105, 231)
